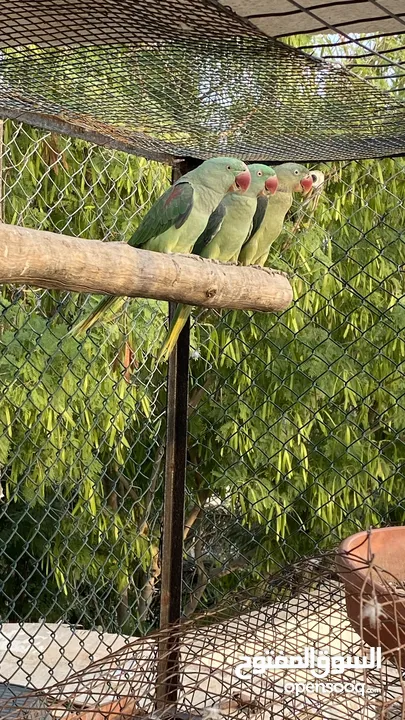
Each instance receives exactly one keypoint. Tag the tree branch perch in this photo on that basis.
(50, 260)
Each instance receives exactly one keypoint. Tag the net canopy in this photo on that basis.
(288, 17)
(174, 78)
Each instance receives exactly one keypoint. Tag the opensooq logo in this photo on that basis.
(320, 664)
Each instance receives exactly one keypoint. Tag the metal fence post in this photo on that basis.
(168, 676)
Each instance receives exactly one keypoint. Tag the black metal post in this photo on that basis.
(168, 675)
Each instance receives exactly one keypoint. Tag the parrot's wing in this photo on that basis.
(258, 217)
(170, 210)
(212, 228)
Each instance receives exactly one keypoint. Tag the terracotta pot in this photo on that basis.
(121, 709)
(372, 567)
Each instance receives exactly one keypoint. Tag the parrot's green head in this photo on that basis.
(294, 178)
(224, 174)
(264, 180)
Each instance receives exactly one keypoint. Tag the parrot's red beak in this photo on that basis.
(242, 181)
(271, 184)
(306, 184)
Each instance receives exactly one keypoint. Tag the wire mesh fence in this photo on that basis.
(295, 421)
(317, 620)
(81, 424)
(298, 438)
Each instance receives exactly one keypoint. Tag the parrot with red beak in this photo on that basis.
(180, 215)
(292, 178)
(226, 230)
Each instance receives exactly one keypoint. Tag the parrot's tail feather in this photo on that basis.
(91, 319)
(180, 318)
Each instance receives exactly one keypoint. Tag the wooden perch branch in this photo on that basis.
(49, 260)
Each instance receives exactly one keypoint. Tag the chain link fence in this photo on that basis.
(298, 439)
(296, 421)
(81, 423)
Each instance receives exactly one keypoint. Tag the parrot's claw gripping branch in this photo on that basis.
(50, 260)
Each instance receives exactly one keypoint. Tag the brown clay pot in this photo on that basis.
(372, 567)
(123, 709)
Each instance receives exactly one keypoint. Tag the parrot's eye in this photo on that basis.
(296, 172)
(229, 167)
(259, 174)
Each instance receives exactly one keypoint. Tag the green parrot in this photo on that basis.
(179, 216)
(291, 178)
(227, 229)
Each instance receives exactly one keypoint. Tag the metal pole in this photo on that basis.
(168, 674)
(1, 168)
